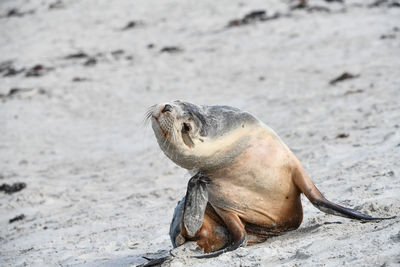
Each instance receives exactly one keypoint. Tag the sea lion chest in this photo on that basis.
(257, 185)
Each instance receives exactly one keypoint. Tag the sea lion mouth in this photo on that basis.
(163, 132)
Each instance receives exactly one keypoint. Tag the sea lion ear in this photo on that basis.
(204, 126)
(203, 130)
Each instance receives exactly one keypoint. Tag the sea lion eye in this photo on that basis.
(186, 127)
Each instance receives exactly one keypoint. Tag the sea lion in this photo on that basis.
(248, 181)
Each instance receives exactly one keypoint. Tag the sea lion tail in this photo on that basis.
(307, 187)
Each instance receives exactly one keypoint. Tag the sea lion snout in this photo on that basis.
(167, 108)
(161, 109)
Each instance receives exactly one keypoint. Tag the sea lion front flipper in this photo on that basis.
(189, 213)
(236, 230)
(195, 204)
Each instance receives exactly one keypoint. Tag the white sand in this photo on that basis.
(99, 190)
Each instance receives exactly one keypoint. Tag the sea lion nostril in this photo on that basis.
(167, 108)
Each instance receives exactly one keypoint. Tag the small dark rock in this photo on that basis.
(342, 77)
(171, 49)
(130, 25)
(15, 91)
(301, 5)
(10, 189)
(351, 92)
(13, 72)
(117, 52)
(14, 12)
(77, 55)
(57, 5)
(342, 135)
(387, 36)
(26, 250)
(318, 9)
(304, 5)
(79, 79)
(17, 218)
(378, 3)
(8, 69)
(257, 15)
(90, 62)
(388, 3)
(390, 173)
(5, 65)
(254, 16)
(150, 46)
(37, 71)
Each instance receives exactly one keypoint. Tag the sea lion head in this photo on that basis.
(200, 137)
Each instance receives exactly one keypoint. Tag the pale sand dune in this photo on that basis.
(99, 190)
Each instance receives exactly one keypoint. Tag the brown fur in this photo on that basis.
(256, 181)
(259, 193)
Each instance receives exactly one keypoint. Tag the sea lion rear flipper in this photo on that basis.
(304, 183)
(335, 209)
(236, 230)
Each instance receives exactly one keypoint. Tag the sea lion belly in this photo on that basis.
(258, 186)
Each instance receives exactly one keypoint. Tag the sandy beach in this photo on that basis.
(76, 78)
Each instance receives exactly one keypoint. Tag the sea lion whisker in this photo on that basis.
(148, 115)
(174, 133)
(165, 142)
